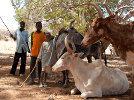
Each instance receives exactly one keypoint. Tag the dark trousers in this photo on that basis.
(32, 65)
(17, 56)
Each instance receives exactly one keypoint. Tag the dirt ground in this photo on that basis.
(10, 85)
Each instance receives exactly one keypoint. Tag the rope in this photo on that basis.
(27, 77)
(5, 25)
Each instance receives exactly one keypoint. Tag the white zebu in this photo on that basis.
(93, 79)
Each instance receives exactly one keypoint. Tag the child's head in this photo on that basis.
(48, 36)
(38, 26)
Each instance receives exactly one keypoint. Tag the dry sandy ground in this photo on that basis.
(10, 85)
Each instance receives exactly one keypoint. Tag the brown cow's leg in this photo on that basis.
(65, 80)
(64, 77)
(105, 59)
(89, 58)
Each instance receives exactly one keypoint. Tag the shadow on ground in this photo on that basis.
(10, 85)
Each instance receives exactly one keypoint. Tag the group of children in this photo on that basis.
(41, 46)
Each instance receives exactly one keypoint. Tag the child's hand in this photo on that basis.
(29, 50)
(38, 59)
(47, 50)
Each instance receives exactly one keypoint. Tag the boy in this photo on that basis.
(37, 38)
(44, 56)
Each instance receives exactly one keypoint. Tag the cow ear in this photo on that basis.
(76, 54)
(69, 52)
(97, 25)
(101, 31)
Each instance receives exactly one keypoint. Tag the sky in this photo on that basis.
(7, 14)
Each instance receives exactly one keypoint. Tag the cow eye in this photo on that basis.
(62, 57)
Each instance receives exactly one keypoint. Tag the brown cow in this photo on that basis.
(120, 35)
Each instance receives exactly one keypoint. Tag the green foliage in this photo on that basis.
(57, 13)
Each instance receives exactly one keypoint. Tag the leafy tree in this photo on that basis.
(59, 13)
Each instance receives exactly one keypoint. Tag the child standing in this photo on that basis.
(37, 38)
(44, 55)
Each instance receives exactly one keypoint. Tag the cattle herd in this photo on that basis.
(94, 78)
(100, 80)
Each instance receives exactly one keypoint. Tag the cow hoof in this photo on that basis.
(60, 82)
(74, 91)
(65, 85)
(84, 95)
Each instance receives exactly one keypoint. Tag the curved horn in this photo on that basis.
(107, 8)
(97, 8)
(67, 46)
(122, 8)
(130, 14)
(71, 24)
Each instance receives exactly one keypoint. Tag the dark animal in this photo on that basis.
(75, 39)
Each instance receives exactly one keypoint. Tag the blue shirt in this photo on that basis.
(22, 40)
